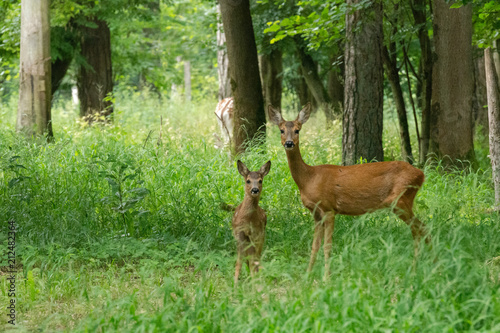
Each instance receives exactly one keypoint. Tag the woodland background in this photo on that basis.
(114, 182)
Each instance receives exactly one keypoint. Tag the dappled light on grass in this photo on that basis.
(162, 259)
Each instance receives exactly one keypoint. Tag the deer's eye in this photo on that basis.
(248, 181)
(282, 131)
(260, 181)
(296, 131)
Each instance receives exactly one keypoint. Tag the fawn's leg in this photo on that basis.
(237, 270)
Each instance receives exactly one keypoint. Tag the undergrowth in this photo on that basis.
(119, 230)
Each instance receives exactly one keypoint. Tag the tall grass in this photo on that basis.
(119, 230)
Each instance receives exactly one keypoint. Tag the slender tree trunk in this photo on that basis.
(33, 114)
(363, 104)
(393, 76)
(187, 81)
(496, 56)
(418, 8)
(249, 116)
(271, 74)
(452, 85)
(493, 88)
(310, 73)
(94, 80)
(480, 100)
(336, 87)
(222, 61)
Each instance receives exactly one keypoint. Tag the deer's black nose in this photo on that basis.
(289, 144)
(255, 190)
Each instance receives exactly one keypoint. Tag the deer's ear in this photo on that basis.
(242, 169)
(304, 114)
(264, 170)
(274, 115)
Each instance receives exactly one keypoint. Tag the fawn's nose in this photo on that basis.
(289, 144)
(255, 190)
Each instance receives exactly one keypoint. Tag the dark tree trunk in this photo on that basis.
(493, 87)
(364, 76)
(301, 89)
(271, 74)
(452, 85)
(310, 73)
(33, 113)
(480, 101)
(336, 87)
(249, 116)
(64, 39)
(94, 80)
(418, 8)
(393, 76)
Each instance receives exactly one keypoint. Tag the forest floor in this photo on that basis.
(118, 230)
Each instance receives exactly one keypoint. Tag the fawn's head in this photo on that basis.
(289, 129)
(253, 179)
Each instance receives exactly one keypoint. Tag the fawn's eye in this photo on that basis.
(260, 181)
(282, 131)
(296, 131)
(248, 181)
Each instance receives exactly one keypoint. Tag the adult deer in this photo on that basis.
(225, 114)
(328, 190)
(249, 220)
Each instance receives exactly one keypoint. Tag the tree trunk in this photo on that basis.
(187, 81)
(452, 85)
(271, 74)
(418, 8)
(363, 104)
(94, 80)
(336, 87)
(393, 76)
(310, 73)
(480, 100)
(496, 56)
(33, 114)
(222, 61)
(493, 89)
(249, 116)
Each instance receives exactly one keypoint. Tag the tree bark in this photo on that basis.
(452, 85)
(480, 100)
(493, 88)
(249, 116)
(33, 114)
(310, 73)
(363, 103)
(418, 8)
(336, 87)
(393, 76)
(271, 74)
(94, 80)
(222, 61)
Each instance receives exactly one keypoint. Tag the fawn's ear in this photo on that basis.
(304, 114)
(274, 115)
(264, 170)
(242, 169)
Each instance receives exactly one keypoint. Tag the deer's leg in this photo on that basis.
(319, 231)
(237, 270)
(329, 225)
(418, 229)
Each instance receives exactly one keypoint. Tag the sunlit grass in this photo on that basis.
(166, 264)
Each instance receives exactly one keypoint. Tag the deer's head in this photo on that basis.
(289, 129)
(253, 179)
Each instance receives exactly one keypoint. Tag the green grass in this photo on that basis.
(161, 258)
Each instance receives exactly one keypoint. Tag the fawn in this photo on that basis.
(249, 220)
(328, 190)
